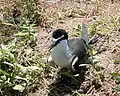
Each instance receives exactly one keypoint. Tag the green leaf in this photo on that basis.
(32, 68)
(3, 77)
(116, 61)
(20, 78)
(3, 72)
(118, 79)
(10, 64)
(24, 27)
(22, 34)
(95, 59)
(22, 68)
(11, 55)
(4, 47)
(19, 87)
(115, 74)
(117, 88)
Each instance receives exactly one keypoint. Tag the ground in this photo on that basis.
(67, 14)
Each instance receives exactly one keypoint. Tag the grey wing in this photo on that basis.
(78, 47)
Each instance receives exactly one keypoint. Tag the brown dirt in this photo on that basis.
(67, 14)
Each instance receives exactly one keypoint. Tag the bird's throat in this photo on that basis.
(64, 46)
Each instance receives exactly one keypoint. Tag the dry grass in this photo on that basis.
(67, 14)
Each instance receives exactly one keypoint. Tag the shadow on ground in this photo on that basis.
(68, 83)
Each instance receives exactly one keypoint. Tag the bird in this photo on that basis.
(69, 53)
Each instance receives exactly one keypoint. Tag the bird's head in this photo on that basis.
(57, 36)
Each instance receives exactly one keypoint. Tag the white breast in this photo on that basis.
(61, 54)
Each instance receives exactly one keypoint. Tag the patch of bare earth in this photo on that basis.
(66, 14)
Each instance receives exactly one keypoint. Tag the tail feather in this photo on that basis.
(85, 33)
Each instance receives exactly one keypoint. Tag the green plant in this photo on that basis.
(32, 12)
(21, 66)
(18, 10)
(26, 30)
(16, 76)
(78, 94)
(116, 76)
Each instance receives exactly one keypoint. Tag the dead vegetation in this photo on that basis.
(67, 14)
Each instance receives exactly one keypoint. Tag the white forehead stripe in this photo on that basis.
(54, 40)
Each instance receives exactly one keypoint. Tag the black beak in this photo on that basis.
(53, 45)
